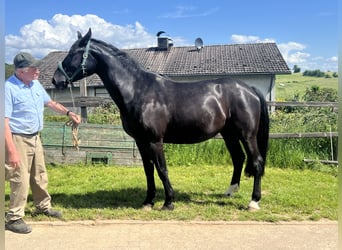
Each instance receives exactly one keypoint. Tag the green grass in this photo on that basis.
(289, 193)
(287, 86)
(112, 192)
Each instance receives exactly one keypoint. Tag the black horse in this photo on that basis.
(156, 110)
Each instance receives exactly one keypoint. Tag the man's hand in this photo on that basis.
(13, 159)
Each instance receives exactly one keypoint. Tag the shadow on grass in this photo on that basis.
(121, 198)
(219, 200)
(133, 198)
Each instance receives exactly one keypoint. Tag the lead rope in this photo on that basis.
(74, 127)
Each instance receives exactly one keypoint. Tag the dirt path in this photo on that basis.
(139, 235)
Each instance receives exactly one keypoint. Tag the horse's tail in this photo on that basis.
(264, 127)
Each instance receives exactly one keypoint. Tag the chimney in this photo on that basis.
(164, 42)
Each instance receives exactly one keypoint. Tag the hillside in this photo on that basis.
(287, 86)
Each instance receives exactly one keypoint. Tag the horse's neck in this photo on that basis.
(120, 80)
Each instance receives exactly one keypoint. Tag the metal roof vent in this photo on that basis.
(164, 42)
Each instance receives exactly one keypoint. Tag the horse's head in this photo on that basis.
(76, 65)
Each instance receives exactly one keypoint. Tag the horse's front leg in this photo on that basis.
(160, 163)
(146, 156)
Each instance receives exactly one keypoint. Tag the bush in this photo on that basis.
(105, 114)
(315, 94)
(291, 152)
(316, 73)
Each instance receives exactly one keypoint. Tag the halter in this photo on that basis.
(81, 67)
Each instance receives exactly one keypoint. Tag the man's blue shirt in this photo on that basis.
(24, 105)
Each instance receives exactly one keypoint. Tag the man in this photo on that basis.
(25, 99)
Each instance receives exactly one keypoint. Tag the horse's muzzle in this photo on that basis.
(59, 84)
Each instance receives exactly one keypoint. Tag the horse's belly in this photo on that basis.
(187, 137)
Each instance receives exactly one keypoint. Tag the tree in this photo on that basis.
(9, 70)
(296, 69)
(316, 73)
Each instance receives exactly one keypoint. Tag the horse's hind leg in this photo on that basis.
(255, 163)
(255, 168)
(238, 157)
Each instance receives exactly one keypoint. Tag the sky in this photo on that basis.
(306, 32)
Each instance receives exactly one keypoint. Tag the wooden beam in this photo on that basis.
(303, 135)
(322, 161)
(93, 101)
(304, 104)
(297, 135)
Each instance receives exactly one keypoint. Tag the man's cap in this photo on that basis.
(24, 59)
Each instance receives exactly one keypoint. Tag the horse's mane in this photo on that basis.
(122, 55)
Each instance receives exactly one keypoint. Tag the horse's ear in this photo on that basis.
(79, 35)
(89, 33)
(86, 38)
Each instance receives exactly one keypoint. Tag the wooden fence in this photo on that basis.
(106, 144)
(93, 101)
(110, 144)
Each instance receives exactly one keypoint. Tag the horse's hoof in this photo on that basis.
(227, 194)
(147, 207)
(168, 207)
(231, 190)
(253, 206)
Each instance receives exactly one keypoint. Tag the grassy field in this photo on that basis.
(114, 192)
(287, 86)
(108, 192)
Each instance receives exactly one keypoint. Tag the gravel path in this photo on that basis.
(139, 235)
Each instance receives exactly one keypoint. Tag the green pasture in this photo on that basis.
(289, 86)
(114, 192)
